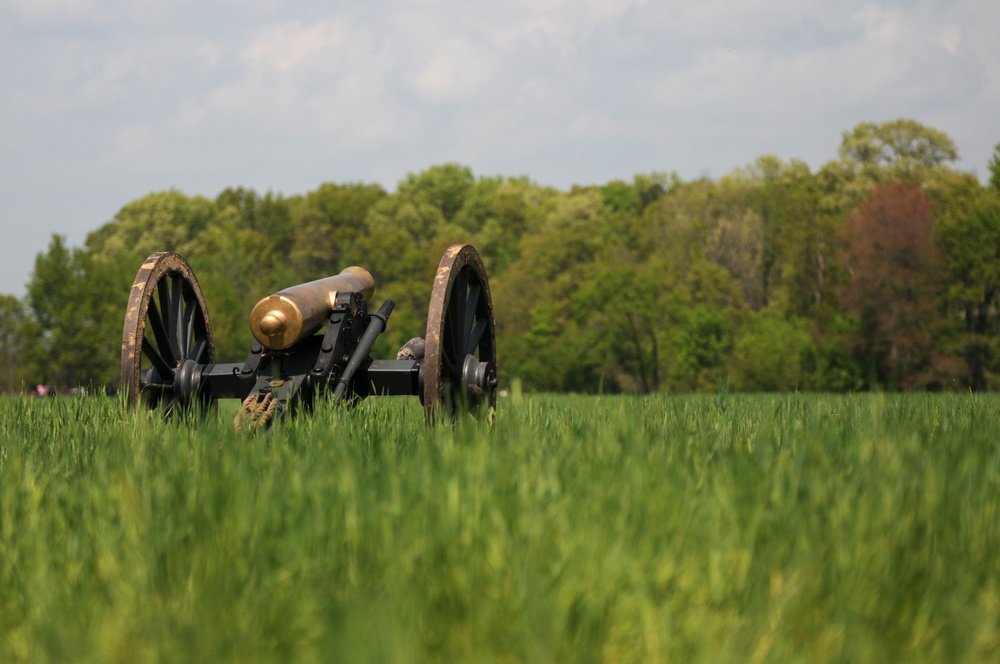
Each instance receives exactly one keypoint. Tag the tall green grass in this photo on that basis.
(798, 528)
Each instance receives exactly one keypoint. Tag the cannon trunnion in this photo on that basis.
(169, 364)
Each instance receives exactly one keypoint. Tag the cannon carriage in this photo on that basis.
(309, 340)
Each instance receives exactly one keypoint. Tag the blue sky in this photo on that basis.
(104, 101)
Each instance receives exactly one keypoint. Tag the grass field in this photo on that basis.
(799, 528)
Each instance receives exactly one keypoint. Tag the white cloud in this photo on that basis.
(950, 38)
(290, 45)
(892, 63)
(459, 71)
(107, 99)
(38, 10)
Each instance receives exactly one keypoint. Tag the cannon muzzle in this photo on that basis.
(278, 321)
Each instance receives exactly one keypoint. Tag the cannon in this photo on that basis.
(309, 340)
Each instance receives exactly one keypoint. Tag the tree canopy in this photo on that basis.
(881, 270)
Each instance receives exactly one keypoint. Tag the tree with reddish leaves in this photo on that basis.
(894, 289)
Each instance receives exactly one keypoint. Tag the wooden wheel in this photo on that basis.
(460, 362)
(167, 335)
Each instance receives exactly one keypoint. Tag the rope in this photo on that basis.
(255, 413)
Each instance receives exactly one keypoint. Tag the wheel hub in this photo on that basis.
(479, 379)
(187, 377)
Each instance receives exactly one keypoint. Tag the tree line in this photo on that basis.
(880, 270)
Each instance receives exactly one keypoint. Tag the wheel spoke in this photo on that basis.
(177, 315)
(450, 348)
(471, 305)
(163, 297)
(456, 313)
(190, 315)
(475, 337)
(450, 367)
(159, 330)
(156, 359)
(458, 292)
(198, 349)
(449, 356)
(449, 340)
(151, 383)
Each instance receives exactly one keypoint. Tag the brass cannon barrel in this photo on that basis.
(280, 320)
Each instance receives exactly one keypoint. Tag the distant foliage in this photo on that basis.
(881, 270)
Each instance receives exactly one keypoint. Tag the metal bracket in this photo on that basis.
(252, 365)
(350, 306)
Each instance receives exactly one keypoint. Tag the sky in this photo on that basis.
(105, 101)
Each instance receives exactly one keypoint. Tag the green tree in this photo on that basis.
(544, 331)
(797, 242)
(444, 187)
(710, 275)
(13, 348)
(112, 254)
(620, 196)
(404, 236)
(898, 151)
(626, 313)
(498, 212)
(994, 167)
(676, 225)
(772, 354)
(901, 149)
(709, 312)
(161, 221)
(233, 266)
(70, 348)
(328, 223)
(269, 216)
(969, 237)
(228, 242)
